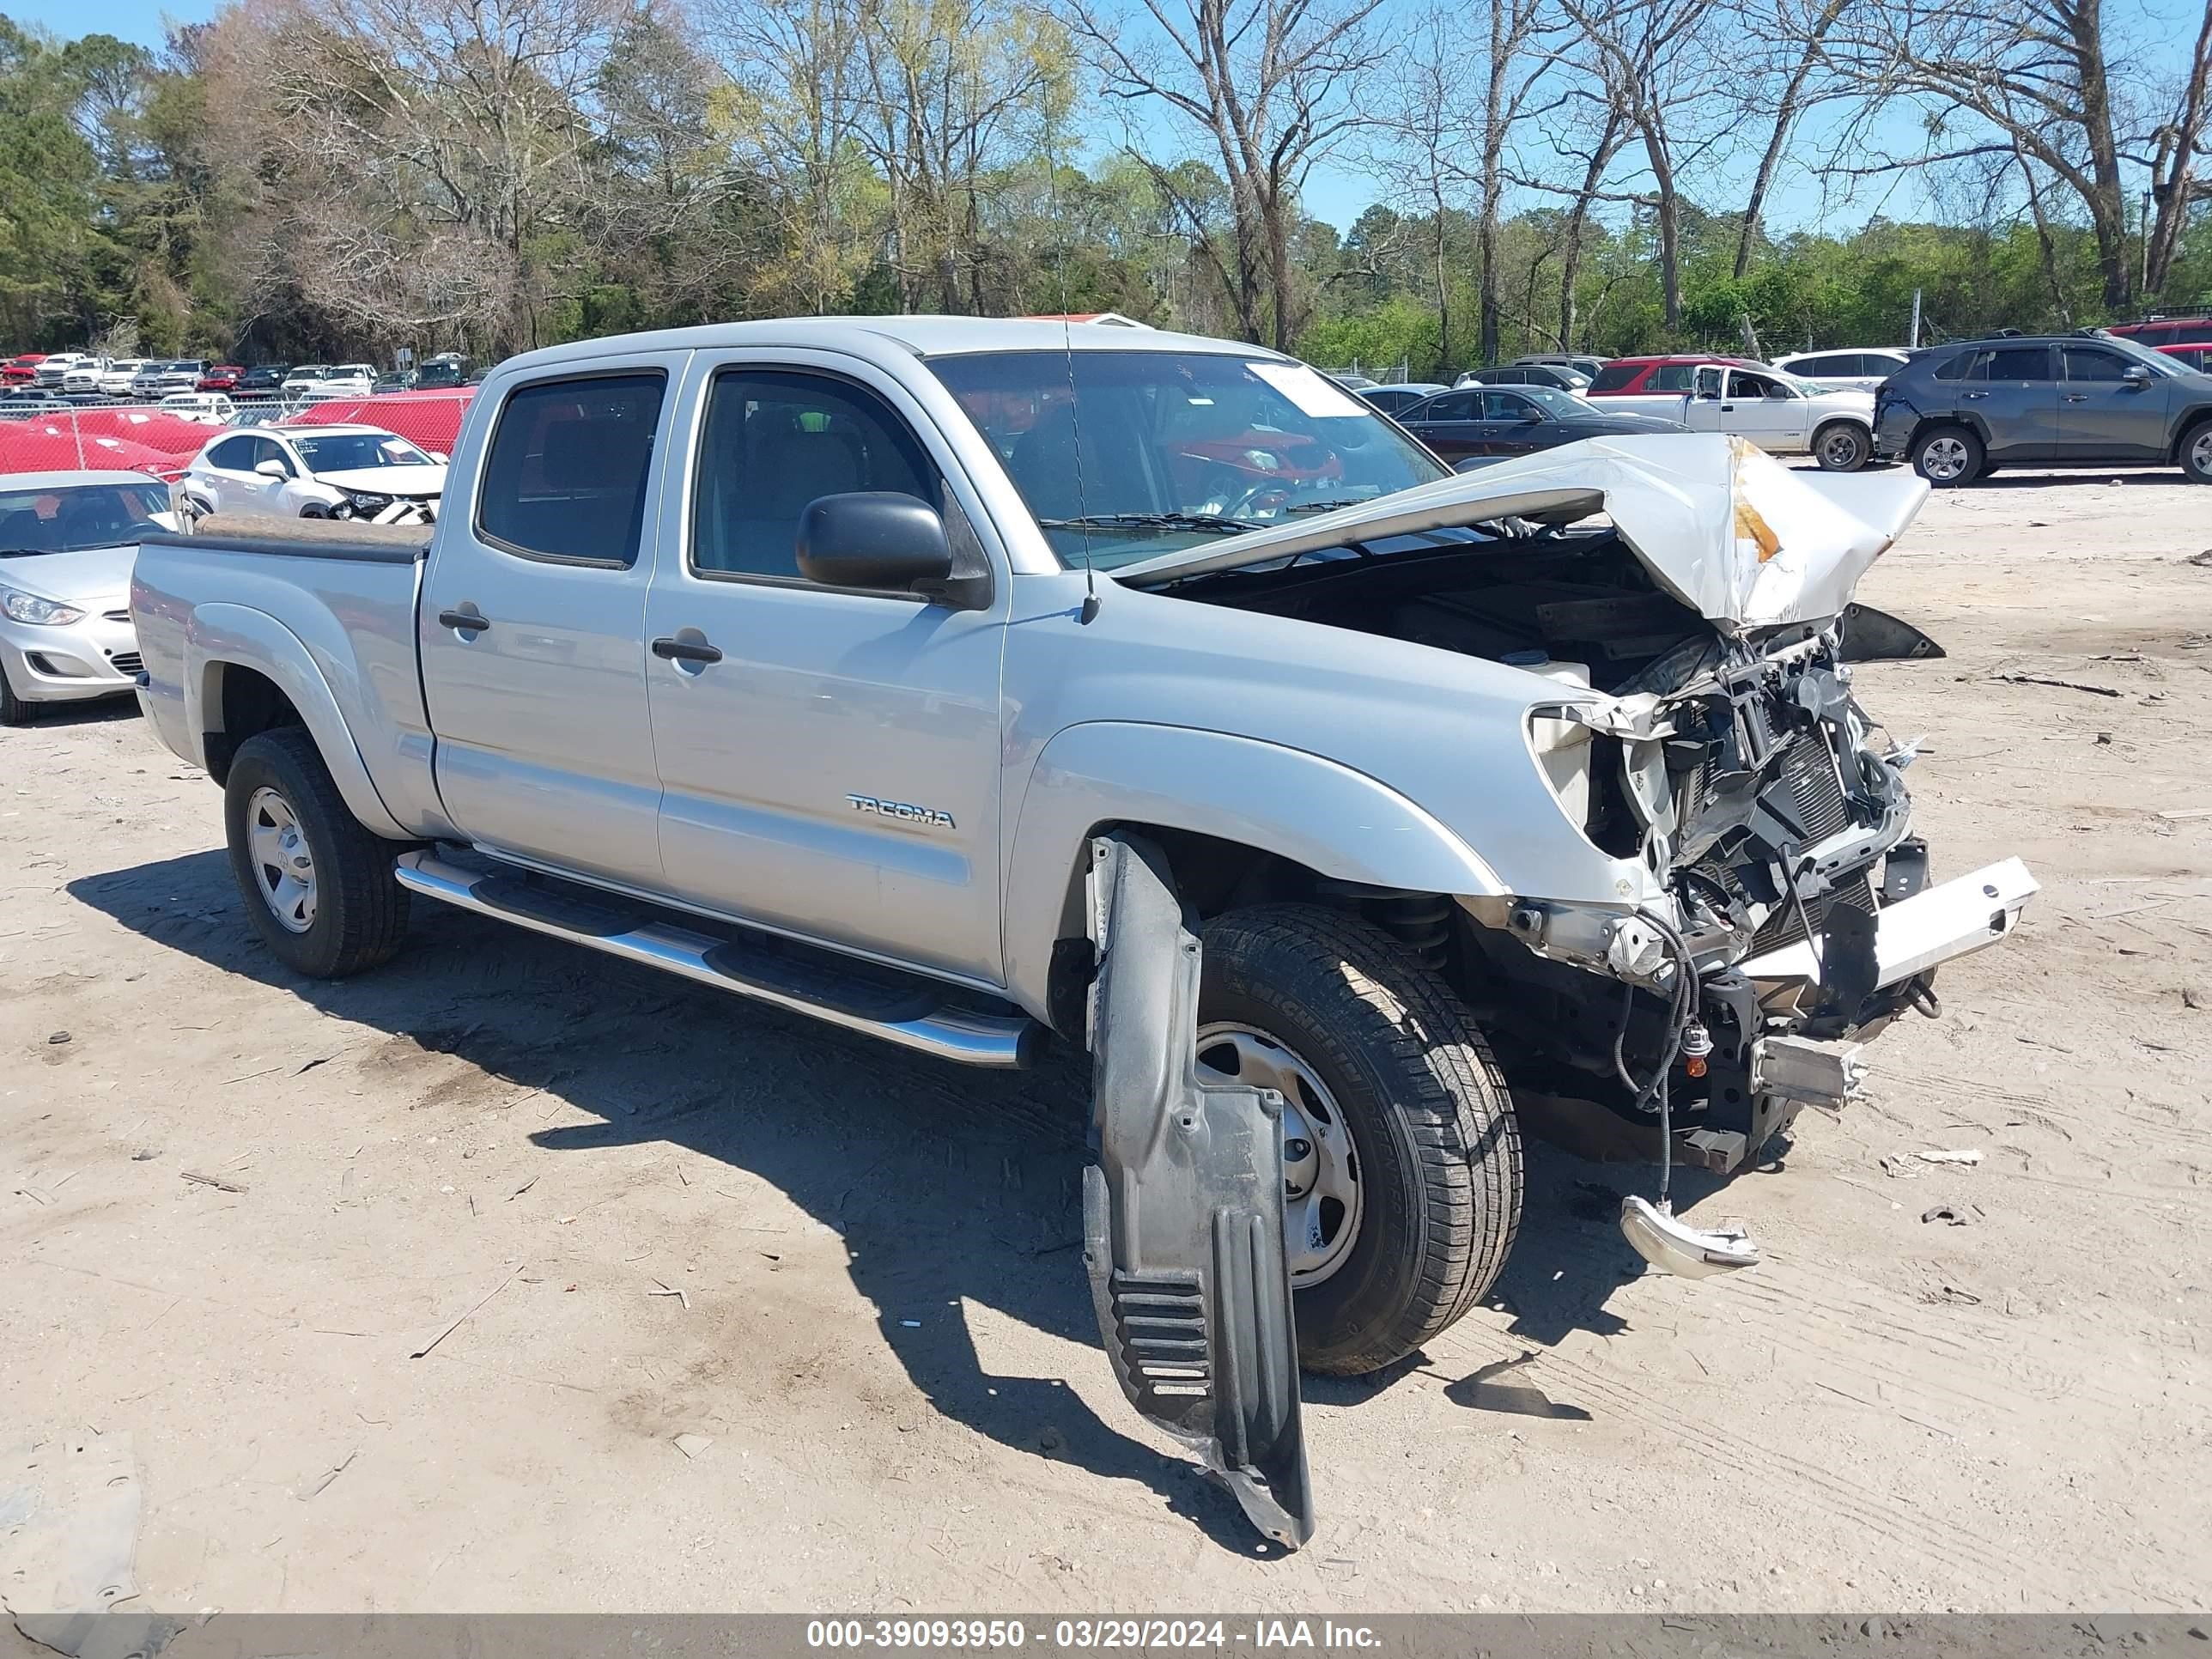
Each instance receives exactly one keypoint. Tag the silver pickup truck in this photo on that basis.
(962, 682)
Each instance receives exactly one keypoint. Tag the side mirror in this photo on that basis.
(875, 539)
(1531, 416)
(271, 469)
(2137, 375)
(1710, 394)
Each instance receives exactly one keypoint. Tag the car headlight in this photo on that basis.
(360, 500)
(22, 607)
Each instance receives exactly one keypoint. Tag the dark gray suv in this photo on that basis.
(1959, 412)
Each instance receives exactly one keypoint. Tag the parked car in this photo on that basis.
(316, 380)
(1778, 412)
(2189, 356)
(887, 671)
(115, 381)
(1631, 376)
(1861, 370)
(2156, 332)
(22, 370)
(1393, 399)
(86, 374)
(1486, 422)
(2086, 399)
(400, 379)
(264, 381)
(51, 368)
(312, 472)
(21, 403)
(212, 407)
(1584, 365)
(67, 543)
(1557, 376)
(221, 377)
(446, 369)
(160, 378)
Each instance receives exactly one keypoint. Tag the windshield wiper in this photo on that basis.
(1165, 522)
(1330, 507)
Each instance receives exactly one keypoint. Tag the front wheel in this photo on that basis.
(318, 886)
(1401, 1160)
(1841, 447)
(1948, 455)
(14, 710)
(2196, 453)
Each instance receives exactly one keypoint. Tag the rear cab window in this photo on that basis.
(1614, 376)
(570, 465)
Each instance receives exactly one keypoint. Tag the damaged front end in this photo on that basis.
(1744, 776)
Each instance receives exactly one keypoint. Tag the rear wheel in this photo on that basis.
(1948, 455)
(1841, 447)
(2196, 453)
(318, 887)
(1401, 1160)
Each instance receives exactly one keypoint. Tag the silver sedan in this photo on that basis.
(67, 541)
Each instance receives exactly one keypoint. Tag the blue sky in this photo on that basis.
(1336, 193)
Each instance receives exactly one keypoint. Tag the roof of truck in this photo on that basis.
(926, 337)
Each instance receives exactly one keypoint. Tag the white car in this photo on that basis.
(84, 375)
(1860, 370)
(212, 407)
(115, 380)
(67, 541)
(49, 373)
(314, 472)
(345, 380)
(1780, 413)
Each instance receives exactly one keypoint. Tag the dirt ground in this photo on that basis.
(755, 1315)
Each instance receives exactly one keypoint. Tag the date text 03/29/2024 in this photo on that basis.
(1125, 1634)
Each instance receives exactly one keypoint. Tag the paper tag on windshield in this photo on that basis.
(1313, 393)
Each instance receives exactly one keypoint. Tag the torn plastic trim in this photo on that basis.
(1183, 1209)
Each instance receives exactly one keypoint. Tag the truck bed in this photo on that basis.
(221, 615)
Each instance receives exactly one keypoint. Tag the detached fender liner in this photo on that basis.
(1183, 1209)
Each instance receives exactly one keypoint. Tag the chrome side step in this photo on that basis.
(900, 1008)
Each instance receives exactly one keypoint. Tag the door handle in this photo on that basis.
(1975, 397)
(2077, 397)
(686, 651)
(1728, 408)
(467, 621)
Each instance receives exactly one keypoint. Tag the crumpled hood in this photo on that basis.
(85, 578)
(1743, 540)
(388, 480)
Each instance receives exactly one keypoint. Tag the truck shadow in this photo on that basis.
(951, 1188)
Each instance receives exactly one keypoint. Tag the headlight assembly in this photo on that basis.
(22, 607)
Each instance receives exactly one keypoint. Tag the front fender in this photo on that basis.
(1315, 813)
(220, 635)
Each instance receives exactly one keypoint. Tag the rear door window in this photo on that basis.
(1673, 377)
(2012, 363)
(570, 462)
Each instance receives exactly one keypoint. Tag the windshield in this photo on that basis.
(1150, 451)
(346, 452)
(71, 519)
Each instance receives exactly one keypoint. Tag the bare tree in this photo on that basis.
(2036, 78)
(1271, 83)
(1652, 68)
(1801, 29)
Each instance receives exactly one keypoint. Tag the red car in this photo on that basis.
(2193, 356)
(21, 371)
(2162, 331)
(224, 377)
(1627, 376)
